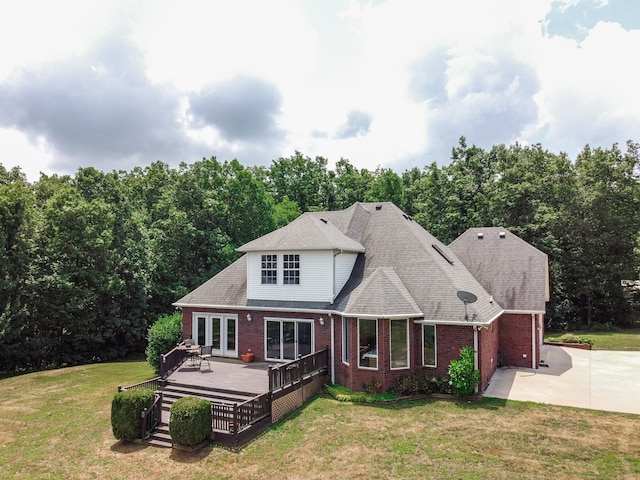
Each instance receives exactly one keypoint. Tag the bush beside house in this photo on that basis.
(162, 337)
(464, 379)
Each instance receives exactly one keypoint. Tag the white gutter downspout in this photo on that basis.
(333, 363)
(533, 340)
(475, 351)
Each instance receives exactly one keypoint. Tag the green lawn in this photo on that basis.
(56, 425)
(627, 339)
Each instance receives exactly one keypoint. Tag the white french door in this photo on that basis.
(218, 331)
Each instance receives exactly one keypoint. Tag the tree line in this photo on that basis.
(88, 262)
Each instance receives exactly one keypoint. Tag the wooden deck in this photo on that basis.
(225, 374)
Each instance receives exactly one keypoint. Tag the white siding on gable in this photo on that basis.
(343, 266)
(316, 278)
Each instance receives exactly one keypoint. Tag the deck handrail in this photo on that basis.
(172, 360)
(152, 384)
(281, 376)
(151, 416)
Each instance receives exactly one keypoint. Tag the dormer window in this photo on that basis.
(291, 269)
(270, 269)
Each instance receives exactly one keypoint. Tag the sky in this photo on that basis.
(389, 83)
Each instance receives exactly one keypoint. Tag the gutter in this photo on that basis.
(300, 310)
(475, 352)
(333, 350)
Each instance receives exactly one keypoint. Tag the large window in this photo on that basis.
(269, 269)
(368, 343)
(288, 339)
(291, 270)
(429, 345)
(399, 347)
(345, 339)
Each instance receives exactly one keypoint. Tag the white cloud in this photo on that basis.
(420, 73)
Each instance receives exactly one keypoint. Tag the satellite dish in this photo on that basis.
(466, 297)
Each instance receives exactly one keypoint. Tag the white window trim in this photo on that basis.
(435, 346)
(407, 340)
(282, 319)
(377, 349)
(262, 270)
(209, 330)
(291, 269)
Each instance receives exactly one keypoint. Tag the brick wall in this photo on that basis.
(251, 333)
(515, 340)
(488, 346)
(449, 340)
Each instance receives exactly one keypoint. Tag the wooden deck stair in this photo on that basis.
(174, 391)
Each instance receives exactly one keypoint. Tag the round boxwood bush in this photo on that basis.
(190, 421)
(126, 410)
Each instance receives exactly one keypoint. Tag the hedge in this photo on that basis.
(126, 410)
(190, 421)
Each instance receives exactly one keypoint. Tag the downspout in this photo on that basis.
(533, 340)
(333, 349)
(475, 351)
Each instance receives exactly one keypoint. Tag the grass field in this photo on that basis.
(625, 340)
(56, 425)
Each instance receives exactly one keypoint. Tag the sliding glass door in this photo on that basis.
(288, 339)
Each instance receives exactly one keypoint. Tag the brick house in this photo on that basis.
(378, 290)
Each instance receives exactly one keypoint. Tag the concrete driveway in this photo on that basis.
(596, 379)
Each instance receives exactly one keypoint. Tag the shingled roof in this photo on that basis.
(307, 232)
(513, 271)
(401, 269)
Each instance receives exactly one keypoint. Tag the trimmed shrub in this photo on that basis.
(163, 335)
(422, 381)
(464, 379)
(570, 338)
(126, 410)
(190, 421)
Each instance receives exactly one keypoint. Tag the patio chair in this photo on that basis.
(204, 354)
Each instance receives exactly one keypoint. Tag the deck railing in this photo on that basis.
(172, 360)
(234, 418)
(151, 416)
(282, 376)
(153, 384)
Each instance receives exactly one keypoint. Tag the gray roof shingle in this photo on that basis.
(307, 232)
(401, 270)
(513, 271)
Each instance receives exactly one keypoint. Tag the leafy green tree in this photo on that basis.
(73, 279)
(385, 187)
(302, 180)
(16, 213)
(605, 227)
(351, 184)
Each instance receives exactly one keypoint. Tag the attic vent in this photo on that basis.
(444, 255)
(503, 234)
(480, 236)
(323, 220)
(378, 207)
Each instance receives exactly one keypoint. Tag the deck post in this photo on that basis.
(143, 433)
